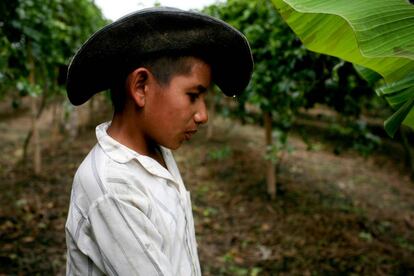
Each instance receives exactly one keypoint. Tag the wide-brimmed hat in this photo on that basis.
(118, 48)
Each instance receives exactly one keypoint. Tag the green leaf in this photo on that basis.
(393, 123)
(400, 95)
(375, 34)
(397, 86)
(369, 75)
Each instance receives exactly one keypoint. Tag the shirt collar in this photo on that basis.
(122, 154)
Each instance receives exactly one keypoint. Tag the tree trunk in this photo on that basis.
(37, 158)
(36, 113)
(55, 127)
(271, 174)
(30, 133)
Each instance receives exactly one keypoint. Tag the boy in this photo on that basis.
(130, 213)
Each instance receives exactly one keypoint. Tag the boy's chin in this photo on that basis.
(173, 146)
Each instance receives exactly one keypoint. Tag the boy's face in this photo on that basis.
(174, 111)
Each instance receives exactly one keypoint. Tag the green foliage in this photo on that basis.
(366, 236)
(38, 38)
(340, 87)
(280, 143)
(287, 76)
(24, 87)
(232, 268)
(353, 134)
(279, 81)
(220, 153)
(358, 31)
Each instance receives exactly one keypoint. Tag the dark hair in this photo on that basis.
(163, 69)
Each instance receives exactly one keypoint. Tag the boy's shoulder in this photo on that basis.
(89, 176)
(99, 178)
(98, 167)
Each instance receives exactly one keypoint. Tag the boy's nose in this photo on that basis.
(201, 116)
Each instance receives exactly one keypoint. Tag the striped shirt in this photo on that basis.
(129, 215)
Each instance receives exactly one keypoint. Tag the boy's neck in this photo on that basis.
(125, 132)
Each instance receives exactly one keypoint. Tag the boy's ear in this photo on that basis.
(137, 85)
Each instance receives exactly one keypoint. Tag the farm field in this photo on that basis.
(334, 214)
(297, 174)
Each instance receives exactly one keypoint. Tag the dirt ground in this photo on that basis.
(334, 214)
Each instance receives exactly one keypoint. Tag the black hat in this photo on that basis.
(116, 50)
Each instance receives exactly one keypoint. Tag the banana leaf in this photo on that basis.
(375, 34)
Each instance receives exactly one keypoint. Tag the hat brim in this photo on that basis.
(120, 46)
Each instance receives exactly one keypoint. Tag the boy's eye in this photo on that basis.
(193, 96)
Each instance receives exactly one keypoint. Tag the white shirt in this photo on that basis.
(128, 215)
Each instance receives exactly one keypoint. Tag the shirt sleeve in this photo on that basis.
(128, 242)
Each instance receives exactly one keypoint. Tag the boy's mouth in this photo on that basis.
(189, 134)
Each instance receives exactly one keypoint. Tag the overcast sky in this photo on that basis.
(114, 9)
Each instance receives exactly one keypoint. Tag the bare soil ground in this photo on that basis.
(334, 215)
